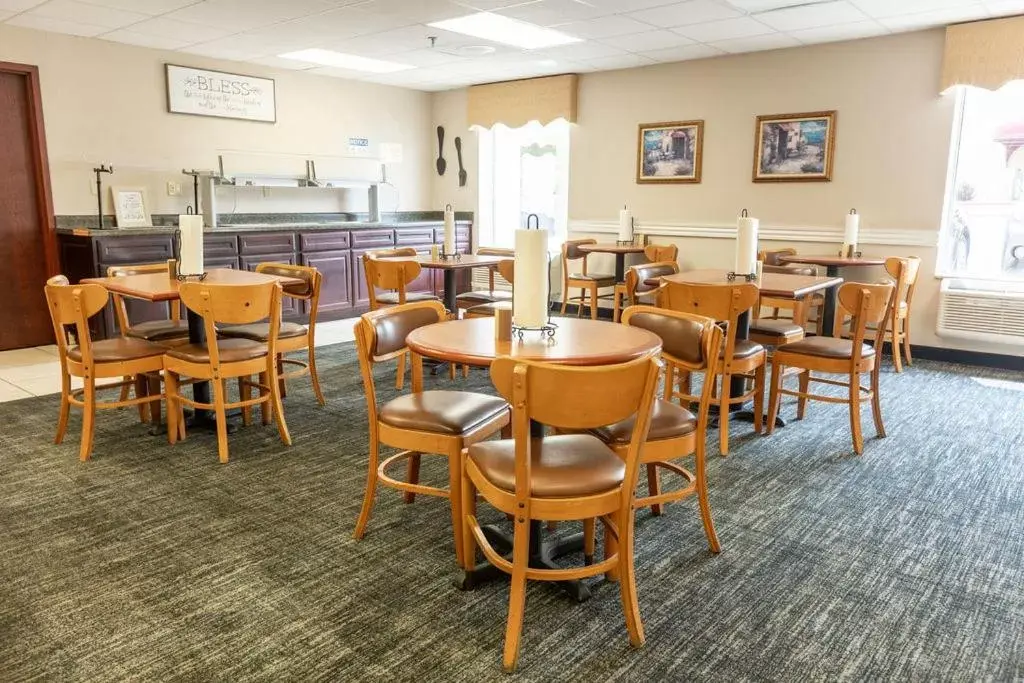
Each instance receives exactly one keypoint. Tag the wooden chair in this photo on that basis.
(743, 357)
(218, 360)
(869, 305)
(657, 253)
(904, 273)
(490, 295)
(291, 336)
(72, 306)
(690, 343)
(562, 477)
(637, 287)
(431, 422)
(588, 283)
(654, 253)
(507, 270)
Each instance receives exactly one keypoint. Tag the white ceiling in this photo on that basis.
(616, 33)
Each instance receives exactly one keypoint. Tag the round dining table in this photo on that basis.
(576, 341)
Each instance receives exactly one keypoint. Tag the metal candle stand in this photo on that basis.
(182, 277)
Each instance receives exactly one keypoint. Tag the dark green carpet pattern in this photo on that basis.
(156, 563)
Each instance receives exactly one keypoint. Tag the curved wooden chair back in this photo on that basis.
(637, 277)
(507, 270)
(307, 290)
(656, 253)
(391, 270)
(495, 251)
(770, 257)
(904, 271)
(724, 303)
(234, 305)
(120, 309)
(71, 306)
(868, 306)
(576, 398)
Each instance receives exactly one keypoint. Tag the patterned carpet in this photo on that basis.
(156, 563)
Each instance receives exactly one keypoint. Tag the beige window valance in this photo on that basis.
(986, 54)
(516, 103)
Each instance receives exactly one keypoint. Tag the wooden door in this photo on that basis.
(27, 240)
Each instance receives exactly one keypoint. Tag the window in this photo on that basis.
(983, 232)
(523, 171)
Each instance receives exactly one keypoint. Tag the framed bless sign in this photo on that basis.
(202, 92)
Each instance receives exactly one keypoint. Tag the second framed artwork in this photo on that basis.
(670, 152)
(794, 147)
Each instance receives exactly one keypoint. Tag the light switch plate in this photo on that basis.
(173, 189)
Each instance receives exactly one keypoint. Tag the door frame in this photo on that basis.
(37, 133)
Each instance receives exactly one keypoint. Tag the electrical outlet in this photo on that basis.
(173, 189)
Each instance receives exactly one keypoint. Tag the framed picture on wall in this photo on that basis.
(131, 207)
(205, 92)
(670, 152)
(794, 147)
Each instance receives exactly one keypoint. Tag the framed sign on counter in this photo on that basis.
(203, 92)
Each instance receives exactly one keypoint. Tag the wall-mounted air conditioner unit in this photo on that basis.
(982, 310)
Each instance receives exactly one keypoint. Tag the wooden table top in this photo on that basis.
(577, 341)
(779, 285)
(161, 287)
(837, 261)
(467, 261)
(610, 248)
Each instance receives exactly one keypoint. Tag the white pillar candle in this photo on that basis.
(190, 244)
(625, 225)
(449, 229)
(746, 245)
(851, 234)
(530, 304)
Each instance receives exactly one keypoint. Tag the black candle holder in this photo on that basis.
(182, 277)
(546, 331)
(749, 277)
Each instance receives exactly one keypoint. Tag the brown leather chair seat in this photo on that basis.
(828, 347)
(391, 298)
(118, 349)
(443, 412)
(159, 330)
(600, 278)
(562, 466)
(744, 348)
(229, 350)
(784, 329)
(480, 298)
(260, 332)
(669, 420)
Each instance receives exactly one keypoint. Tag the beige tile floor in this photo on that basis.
(36, 372)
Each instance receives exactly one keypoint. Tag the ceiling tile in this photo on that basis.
(132, 38)
(167, 28)
(828, 34)
(810, 16)
(771, 41)
(648, 40)
(711, 31)
(942, 17)
(551, 12)
(491, 5)
(604, 27)
(999, 8)
(151, 7)
(684, 13)
(427, 57)
(314, 31)
(72, 11)
(419, 12)
(620, 62)
(588, 50)
(19, 5)
(892, 8)
(624, 6)
(683, 53)
(279, 63)
(75, 28)
(239, 15)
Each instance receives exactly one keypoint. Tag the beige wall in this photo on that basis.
(449, 110)
(105, 102)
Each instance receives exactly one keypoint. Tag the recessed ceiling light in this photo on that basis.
(502, 29)
(344, 61)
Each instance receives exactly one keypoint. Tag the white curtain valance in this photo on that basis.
(516, 103)
(986, 54)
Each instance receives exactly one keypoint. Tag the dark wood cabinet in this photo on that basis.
(266, 243)
(336, 287)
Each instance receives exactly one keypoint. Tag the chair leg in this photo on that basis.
(451, 371)
(455, 498)
(611, 546)
(805, 385)
(670, 382)
(627, 580)
(282, 383)
(775, 397)
(265, 405)
(141, 389)
(894, 332)
(906, 341)
(153, 389)
(858, 440)
(65, 407)
(465, 372)
(723, 416)
(701, 476)
(171, 399)
(616, 304)
(565, 296)
(125, 389)
(759, 397)
(579, 304)
(400, 375)
(876, 403)
(654, 486)
(278, 407)
(593, 303)
(245, 394)
(588, 541)
(88, 418)
(222, 422)
(412, 475)
(517, 593)
(314, 377)
(468, 494)
(371, 487)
